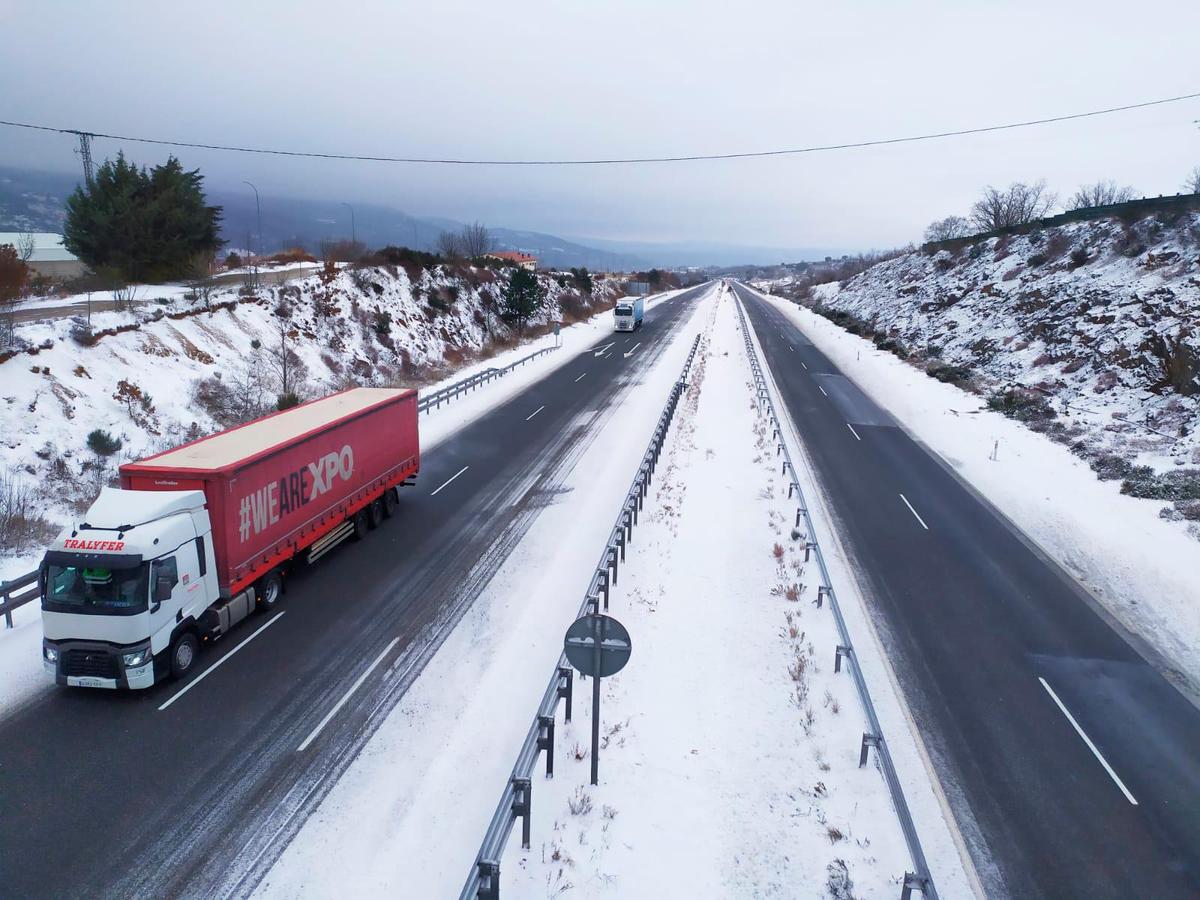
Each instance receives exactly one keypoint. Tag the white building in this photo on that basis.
(49, 257)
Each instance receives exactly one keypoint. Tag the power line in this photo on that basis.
(616, 160)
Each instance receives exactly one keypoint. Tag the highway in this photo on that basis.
(1071, 764)
(194, 788)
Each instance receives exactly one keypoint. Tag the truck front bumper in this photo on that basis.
(94, 664)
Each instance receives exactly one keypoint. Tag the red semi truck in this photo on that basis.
(197, 537)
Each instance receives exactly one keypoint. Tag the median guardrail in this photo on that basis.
(483, 883)
(920, 879)
(451, 391)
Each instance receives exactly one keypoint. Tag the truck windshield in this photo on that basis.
(96, 591)
(624, 310)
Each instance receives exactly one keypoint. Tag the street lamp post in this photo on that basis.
(258, 211)
(353, 233)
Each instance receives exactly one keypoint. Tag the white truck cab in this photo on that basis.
(124, 589)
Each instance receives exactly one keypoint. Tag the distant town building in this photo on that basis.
(50, 258)
(524, 260)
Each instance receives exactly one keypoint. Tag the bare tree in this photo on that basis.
(1102, 193)
(475, 240)
(25, 245)
(285, 364)
(947, 229)
(449, 245)
(1018, 204)
(1193, 181)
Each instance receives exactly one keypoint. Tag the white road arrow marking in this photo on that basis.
(629, 352)
(604, 349)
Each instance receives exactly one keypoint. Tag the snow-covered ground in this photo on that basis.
(729, 761)
(1139, 566)
(166, 373)
(406, 819)
(1099, 318)
(20, 647)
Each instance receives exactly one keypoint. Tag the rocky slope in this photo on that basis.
(1089, 332)
(176, 368)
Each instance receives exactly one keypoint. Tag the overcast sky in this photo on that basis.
(576, 79)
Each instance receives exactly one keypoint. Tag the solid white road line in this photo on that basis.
(604, 349)
(1087, 740)
(914, 512)
(855, 433)
(199, 678)
(346, 696)
(822, 390)
(450, 479)
(805, 365)
(580, 378)
(629, 352)
(534, 413)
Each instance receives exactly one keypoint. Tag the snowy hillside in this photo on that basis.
(1086, 332)
(171, 370)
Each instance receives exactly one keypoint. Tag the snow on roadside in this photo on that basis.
(21, 674)
(1139, 566)
(729, 761)
(406, 819)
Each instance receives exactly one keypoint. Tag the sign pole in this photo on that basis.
(596, 701)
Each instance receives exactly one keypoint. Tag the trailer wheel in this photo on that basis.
(375, 513)
(390, 502)
(360, 525)
(270, 590)
(183, 654)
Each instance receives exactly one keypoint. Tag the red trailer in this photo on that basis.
(297, 480)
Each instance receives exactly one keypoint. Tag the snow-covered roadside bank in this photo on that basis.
(1139, 566)
(406, 819)
(21, 674)
(729, 762)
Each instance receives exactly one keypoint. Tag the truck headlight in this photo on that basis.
(136, 658)
(49, 654)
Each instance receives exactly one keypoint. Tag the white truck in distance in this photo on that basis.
(628, 313)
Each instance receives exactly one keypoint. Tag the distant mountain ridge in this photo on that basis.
(33, 201)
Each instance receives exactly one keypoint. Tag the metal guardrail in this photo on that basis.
(18, 592)
(921, 879)
(448, 393)
(515, 801)
(22, 590)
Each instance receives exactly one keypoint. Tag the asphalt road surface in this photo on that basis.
(1072, 765)
(194, 788)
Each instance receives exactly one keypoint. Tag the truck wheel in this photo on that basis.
(183, 654)
(270, 590)
(390, 502)
(360, 525)
(375, 513)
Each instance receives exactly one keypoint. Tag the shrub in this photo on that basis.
(102, 443)
(233, 261)
(1079, 256)
(1036, 260)
(951, 374)
(287, 401)
(1022, 404)
(382, 322)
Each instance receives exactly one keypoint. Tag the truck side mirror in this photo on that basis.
(162, 589)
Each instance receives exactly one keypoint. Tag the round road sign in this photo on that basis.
(588, 633)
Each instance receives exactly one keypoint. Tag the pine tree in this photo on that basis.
(143, 225)
(522, 297)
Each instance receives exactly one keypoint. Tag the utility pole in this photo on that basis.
(258, 210)
(85, 154)
(353, 234)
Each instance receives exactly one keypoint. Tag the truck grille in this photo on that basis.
(95, 663)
